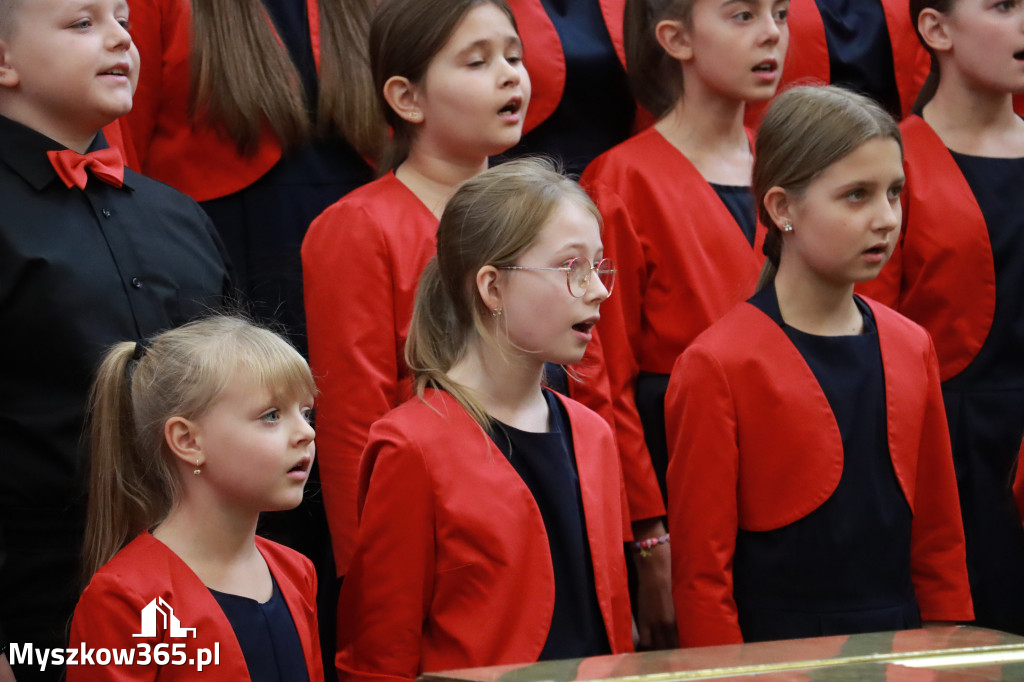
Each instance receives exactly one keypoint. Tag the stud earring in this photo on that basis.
(788, 227)
(497, 312)
(197, 470)
(414, 115)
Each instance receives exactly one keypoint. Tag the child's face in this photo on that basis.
(258, 447)
(540, 315)
(69, 66)
(472, 100)
(736, 48)
(986, 44)
(846, 224)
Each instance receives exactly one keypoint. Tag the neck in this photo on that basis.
(815, 306)
(709, 132)
(435, 177)
(973, 120)
(507, 384)
(71, 137)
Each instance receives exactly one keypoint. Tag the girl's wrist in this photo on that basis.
(644, 547)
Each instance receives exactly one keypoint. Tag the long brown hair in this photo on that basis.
(133, 478)
(491, 220)
(244, 81)
(405, 35)
(805, 131)
(656, 78)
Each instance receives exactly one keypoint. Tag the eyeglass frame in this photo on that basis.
(567, 269)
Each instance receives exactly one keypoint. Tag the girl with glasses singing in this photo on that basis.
(811, 484)
(491, 519)
(680, 223)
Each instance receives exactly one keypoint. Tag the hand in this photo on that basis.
(6, 674)
(656, 618)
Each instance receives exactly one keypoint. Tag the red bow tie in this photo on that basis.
(105, 164)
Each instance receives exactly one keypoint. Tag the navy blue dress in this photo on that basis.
(860, 51)
(597, 108)
(546, 463)
(985, 407)
(845, 567)
(266, 633)
(263, 224)
(650, 386)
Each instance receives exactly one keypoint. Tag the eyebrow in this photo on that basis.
(511, 41)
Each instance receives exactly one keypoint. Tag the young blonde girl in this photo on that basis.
(491, 526)
(811, 485)
(193, 435)
(681, 225)
(450, 79)
(959, 271)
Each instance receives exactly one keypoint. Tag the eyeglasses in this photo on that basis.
(577, 274)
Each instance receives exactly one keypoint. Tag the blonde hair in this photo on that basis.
(491, 220)
(133, 478)
(806, 130)
(656, 78)
(244, 80)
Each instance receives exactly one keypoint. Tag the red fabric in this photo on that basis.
(683, 262)
(453, 568)
(196, 159)
(544, 58)
(109, 612)
(106, 164)
(116, 135)
(754, 444)
(361, 263)
(807, 61)
(944, 235)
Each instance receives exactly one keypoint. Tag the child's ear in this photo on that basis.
(932, 25)
(487, 287)
(8, 75)
(182, 437)
(674, 38)
(778, 205)
(401, 95)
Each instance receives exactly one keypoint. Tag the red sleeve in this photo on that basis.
(937, 554)
(620, 328)
(703, 474)
(147, 26)
(385, 595)
(106, 616)
(353, 349)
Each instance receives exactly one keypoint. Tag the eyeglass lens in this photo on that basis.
(579, 275)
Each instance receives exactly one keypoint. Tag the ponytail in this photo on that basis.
(655, 77)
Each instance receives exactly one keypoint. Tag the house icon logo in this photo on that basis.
(158, 608)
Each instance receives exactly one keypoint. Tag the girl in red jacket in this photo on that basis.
(811, 485)
(959, 271)
(680, 223)
(491, 523)
(193, 435)
(450, 79)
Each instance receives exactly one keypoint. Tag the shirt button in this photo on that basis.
(136, 282)
(106, 212)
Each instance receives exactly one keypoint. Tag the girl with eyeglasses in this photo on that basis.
(811, 483)
(680, 223)
(959, 271)
(491, 521)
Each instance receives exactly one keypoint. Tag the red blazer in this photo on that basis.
(754, 444)
(682, 263)
(109, 613)
(195, 159)
(944, 236)
(453, 568)
(807, 61)
(544, 58)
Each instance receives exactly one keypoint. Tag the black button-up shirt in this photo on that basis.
(80, 270)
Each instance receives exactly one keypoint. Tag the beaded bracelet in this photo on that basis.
(645, 546)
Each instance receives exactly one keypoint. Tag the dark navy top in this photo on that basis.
(845, 567)
(546, 462)
(740, 202)
(859, 49)
(597, 108)
(263, 224)
(266, 633)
